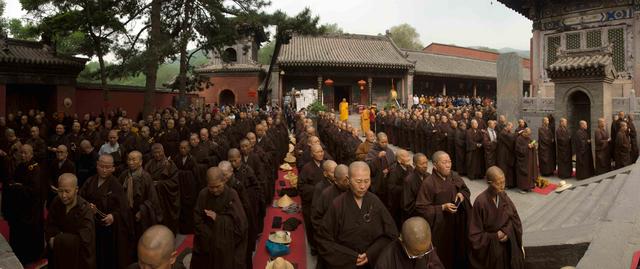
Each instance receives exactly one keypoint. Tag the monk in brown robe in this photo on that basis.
(603, 148)
(413, 249)
(70, 230)
(220, 239)
(164, 174)
(156, 249)
(59, 166)
(443, 200)
(526, 161)
(142, 199)
(475, 152)
(365, 146)
(24, 208)
(581, 144)
(380, 157)
(412, 183)
(622, 147)
(310, 175)
(506, 154)
(395, 181)
(495, 230)
(546, 149)
(490, 144)
(105, 194)
(563, 150)
(461, 148)
(189, 186)
(357, 226)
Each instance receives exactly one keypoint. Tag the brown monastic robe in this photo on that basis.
(164, 174)
(348, 230)
(221, 243)
(394, 256)
(448, 231)
(526, 164)
(475, 154)
(363, 150)
(113, 250)
(189, 188)
(584, 158)
(395, 182)
(603, 151)
(487, 218)
(622, 152)
(546, 151)
(563, 152)
(410, 189)
(74, 246)
(507, 157)
(490, 148)
(460, 164)
(141, 198)
(310, 175)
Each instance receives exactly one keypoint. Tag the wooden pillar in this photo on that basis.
(320, 94)
(3, 100)
(370, 90)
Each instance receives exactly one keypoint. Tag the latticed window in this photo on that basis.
(616, 37)
(553, 43)
(573, 41)
(594, 39)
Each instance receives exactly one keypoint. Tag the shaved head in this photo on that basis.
(156, 248)
(416, 235)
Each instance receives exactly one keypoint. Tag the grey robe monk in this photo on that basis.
(623, 146)
(603, 148)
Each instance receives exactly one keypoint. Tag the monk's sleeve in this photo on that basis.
(240, 231)
(425, 206)
(360, 153)
(305, 186)
(515, 224)
(317, 210)
(477, 235)
(86, 236)
(335, 254)
(152, 198)
(408, 197)
(462, 188)
(390, 233)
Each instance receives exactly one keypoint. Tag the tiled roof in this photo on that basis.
(218, 68)
(581, 62)
(344, 50)
(36, 53)
(449, 66)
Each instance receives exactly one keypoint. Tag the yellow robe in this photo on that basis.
(344, 111)
(364, 121)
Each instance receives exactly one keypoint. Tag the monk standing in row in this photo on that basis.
(603, 148)
(546, 150)
(563, 150)
(581, 144)
(526, 161)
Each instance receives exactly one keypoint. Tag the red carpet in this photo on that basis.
(298, 247)
(551, 187)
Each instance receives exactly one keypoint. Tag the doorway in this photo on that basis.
(227, 98)
(579, 109)
(340, 92)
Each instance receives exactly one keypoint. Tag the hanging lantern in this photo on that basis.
(362, 83)
(328, 82)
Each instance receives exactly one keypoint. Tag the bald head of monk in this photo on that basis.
(26, 152)
(227, 170)
(317, 153)
(442, 163)
(234, 157)
(328, 169)
(370, 136)
(341, 177)
(416, 237)
(383, 140)
(68, 189)
(156, 248)
(359, 178)
(495, 179)
(134, 160)
(215, 181)
(404, 158)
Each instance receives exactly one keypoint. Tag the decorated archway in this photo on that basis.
(227, 97)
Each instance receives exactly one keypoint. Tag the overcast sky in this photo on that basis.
(461, 22)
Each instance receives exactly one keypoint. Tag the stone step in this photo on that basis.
(558, 201)
(604, 205)
(533, 214)
(575, 204)
(555, 209)
(588, 205)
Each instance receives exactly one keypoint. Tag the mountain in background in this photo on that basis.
(521, 53)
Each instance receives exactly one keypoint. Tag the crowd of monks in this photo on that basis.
(371, 207)
(476, 139)
(81, 192)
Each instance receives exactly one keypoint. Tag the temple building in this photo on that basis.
(364, 69)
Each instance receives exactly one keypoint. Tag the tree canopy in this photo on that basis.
(406, 37)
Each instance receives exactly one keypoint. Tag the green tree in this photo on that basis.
(3, 21)
(266, 52)
(333, 28)
(406, 37)
(22, 31)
